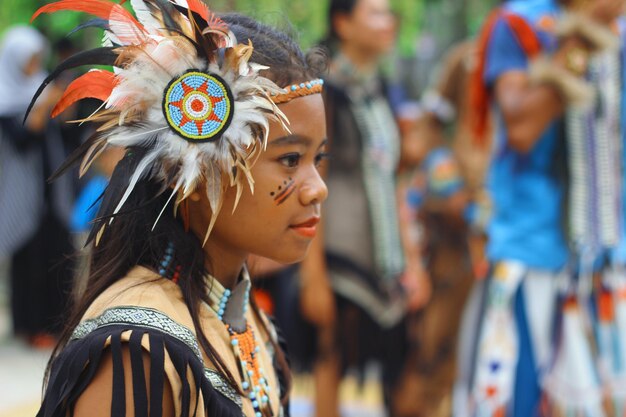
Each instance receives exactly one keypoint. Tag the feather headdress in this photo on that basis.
(182, 88)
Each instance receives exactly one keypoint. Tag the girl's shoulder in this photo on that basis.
(142, 289)
(140, 331)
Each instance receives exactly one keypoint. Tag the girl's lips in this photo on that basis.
(307, 228)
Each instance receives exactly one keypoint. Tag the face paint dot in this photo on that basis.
(279, 187)
(272, 193)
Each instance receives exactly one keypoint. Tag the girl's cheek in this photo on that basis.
(283, 191)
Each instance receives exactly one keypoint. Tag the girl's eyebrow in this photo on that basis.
(293, 139)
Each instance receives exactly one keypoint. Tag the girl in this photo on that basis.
(221, 163)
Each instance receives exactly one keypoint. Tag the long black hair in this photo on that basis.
(130, 240)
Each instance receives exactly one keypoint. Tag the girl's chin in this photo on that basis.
(289, 258)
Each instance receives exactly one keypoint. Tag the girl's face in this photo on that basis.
(278, 221)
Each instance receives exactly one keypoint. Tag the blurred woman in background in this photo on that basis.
(363, 257)
(33, 232)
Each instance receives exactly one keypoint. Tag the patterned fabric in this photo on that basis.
(498, 343)
(153, 319)
(594, 140)
(515, 334)
(171, 360)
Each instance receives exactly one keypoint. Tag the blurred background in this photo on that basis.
(427, 27)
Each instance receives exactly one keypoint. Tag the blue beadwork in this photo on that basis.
(165, 263)
(198, 106)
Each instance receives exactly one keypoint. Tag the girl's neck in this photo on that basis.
(224, 264)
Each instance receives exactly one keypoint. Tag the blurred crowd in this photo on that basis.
(473, 240)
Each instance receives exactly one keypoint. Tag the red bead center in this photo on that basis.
(197, 105)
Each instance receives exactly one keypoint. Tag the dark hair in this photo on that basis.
(130, 240)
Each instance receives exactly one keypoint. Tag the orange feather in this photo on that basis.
(199, 7)
(213, 22)
(100, 8)
(94, 84)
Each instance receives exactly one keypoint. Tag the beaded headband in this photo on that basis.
(299, 90)
(183, 91)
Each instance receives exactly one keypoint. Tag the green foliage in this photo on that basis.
(13, 12)
(306, 18)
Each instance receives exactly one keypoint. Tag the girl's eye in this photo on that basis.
(290, 160)
(321, 157)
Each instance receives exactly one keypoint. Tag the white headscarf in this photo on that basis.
(18, 46)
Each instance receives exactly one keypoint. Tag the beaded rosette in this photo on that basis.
(182, 88)
(198, 106)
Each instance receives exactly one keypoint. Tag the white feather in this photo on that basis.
(142, 167)
(145, 17)
(174, 191)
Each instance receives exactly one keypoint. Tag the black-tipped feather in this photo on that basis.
(99, 23)
(198, 19)
(167, 10)
(98, 56)
(204, 44)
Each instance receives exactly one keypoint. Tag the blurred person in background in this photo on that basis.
(594, 297)
(34, 214)
(361, 279)
(444, 201)
(532, 65)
